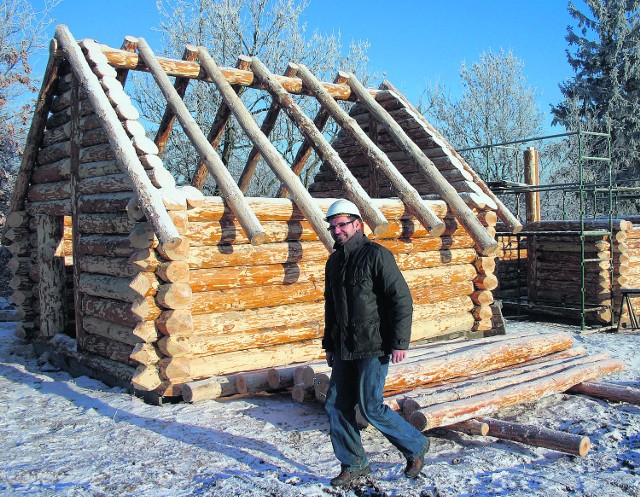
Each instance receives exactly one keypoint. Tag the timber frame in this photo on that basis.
(171, 287)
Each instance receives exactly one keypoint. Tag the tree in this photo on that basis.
(268, 29)
(22, 35)
(496, 106)
(605, 91)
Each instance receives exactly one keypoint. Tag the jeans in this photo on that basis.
(361, 382)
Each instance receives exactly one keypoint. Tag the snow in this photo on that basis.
(75, 436)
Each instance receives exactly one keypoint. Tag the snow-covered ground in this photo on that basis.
(74, 436)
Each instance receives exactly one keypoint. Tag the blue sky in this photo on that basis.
(414, 42)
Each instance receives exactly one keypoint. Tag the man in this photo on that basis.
(368, 311)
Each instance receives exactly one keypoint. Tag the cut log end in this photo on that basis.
(172, 244)
(381, 228)
(259, 238)
(437, 230)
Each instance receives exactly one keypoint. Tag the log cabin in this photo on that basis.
(125, 275)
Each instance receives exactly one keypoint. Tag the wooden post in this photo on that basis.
(487, 244)
(51, 284)
(406, 192)
(354, 190)
(226, 183)
(532, 177)
(126, 154)
(303, 199)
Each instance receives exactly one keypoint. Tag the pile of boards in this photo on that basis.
(458, 383)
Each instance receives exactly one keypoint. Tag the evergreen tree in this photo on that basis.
(605, 91)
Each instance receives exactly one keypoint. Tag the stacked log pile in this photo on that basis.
(458, 384)
(246, 308)
(555, 268)
(627, 270)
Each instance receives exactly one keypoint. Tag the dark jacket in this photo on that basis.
(368, 306)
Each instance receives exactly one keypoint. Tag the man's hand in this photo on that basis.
(398, 356)
(329, 357)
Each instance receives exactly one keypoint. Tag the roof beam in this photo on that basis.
(169, 117)
(121, 59)
(234, 197)
(299, 193)
(268, 123)
(371, 214)
(487, 244)
(219, 124)
(126, 154)
(378, 159)
(304, 152)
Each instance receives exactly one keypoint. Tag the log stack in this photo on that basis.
(555, 262)
(511, 267)
(627, 271)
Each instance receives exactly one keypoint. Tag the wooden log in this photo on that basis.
(116, 311)
(484, 404)
(51, 173)
(371, 215)
(486, 243)
(146, 378)
(266, 127)
(105, 245)
(608, 391)
(174, 272)
(251, 298)
(478, 359)
(284, 209)
(302, 394)
(192, 70)
(104, 202)
(111, 331)
(224, 180)
(168, 118)
(577, 445)
(103, 223)
(125, 289)
(208, 389)
(175, 296)
(176, 322)
(111, 183)
(120, 142)
(281, 377)
(252, 382)
(233, 362)
(471, 427)
(116, 351)
(249, 320)
(207, 344)
(145, 354)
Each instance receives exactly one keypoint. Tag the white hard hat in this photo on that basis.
(342, 207)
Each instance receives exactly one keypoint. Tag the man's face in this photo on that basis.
(342, 228)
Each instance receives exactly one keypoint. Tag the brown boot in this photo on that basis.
(415, 464)
(346, 477)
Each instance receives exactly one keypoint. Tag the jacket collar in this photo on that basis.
(352, 244)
